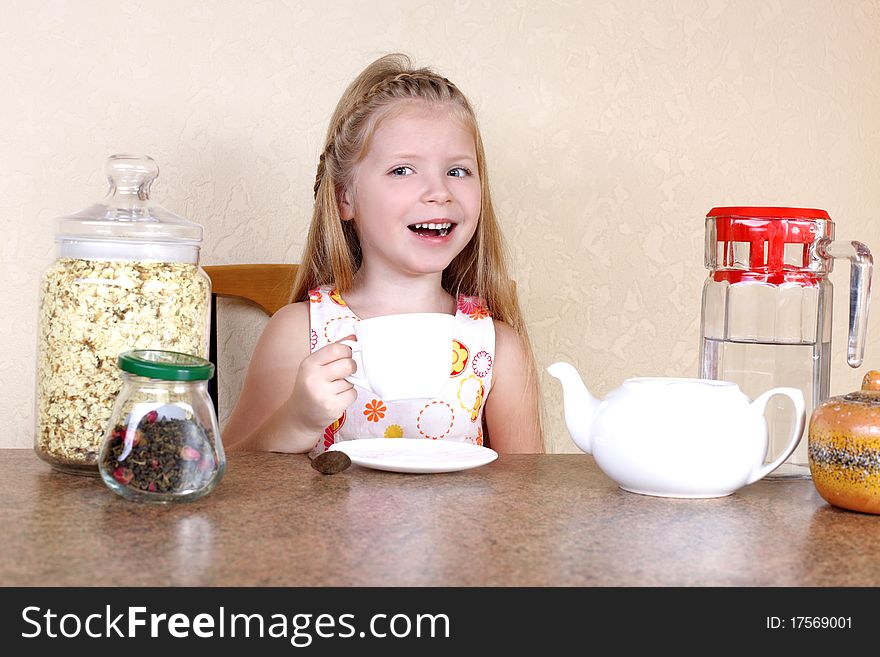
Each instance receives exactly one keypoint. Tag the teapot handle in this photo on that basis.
(760, 403)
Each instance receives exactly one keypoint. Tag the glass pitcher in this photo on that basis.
(766, 314)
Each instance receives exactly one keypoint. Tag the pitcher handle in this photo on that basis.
(860, 274)
(760, 403)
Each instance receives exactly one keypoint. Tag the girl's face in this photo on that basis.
(416, 194)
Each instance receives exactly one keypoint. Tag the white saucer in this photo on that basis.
(418, 455)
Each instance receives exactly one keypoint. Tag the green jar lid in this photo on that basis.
(165, 365)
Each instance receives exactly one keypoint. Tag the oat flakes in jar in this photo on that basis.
(126, 276)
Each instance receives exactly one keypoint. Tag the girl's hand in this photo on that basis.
(320, 393)
(290, 395)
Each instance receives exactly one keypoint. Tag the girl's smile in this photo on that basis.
(436, 229)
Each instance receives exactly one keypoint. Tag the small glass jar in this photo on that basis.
(162, 443)
(126, 276)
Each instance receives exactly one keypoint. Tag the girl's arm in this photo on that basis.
(511, 412)
(288, 392)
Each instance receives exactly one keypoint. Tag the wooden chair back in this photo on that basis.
(268, 286)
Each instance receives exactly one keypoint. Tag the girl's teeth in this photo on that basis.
(442, 229)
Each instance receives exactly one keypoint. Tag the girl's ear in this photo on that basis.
(346, 206)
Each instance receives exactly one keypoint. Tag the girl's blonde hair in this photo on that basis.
(333, 254)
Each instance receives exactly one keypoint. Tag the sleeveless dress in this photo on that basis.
(456, 414)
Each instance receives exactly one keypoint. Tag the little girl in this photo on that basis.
(403, 223)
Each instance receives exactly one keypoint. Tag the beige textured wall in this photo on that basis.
(611, 128)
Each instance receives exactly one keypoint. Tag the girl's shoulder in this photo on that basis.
(505, 334)
(292, 318)
(285, 336)
(291, 312)
(510, 349)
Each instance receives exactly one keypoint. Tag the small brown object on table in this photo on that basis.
(332, 462)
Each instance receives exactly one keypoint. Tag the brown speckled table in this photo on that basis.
(521, 520)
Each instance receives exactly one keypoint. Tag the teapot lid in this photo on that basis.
(867, 397)
(870, 392)
(871, 382)
(127, 224)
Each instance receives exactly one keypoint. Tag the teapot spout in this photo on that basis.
(580, 406)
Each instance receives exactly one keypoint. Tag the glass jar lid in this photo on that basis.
(165, 365)
(127, 224)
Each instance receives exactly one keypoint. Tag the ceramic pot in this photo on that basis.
(844, 448)
(675, 437)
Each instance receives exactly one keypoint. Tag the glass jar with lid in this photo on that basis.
(126, 276)
(162, 443)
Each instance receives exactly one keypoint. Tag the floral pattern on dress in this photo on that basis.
(477, 439)
(482, 363)
(436, 420)
(331, 431)
(336, 298)
(375, 410)
(473, 306)
(394, 431)
(469, 304)
(479, 312)
(460, 355)
(337, 328)
(470, 395)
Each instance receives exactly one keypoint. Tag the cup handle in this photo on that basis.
(760, 403)
(354, 379)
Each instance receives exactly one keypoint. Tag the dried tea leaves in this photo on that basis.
(162, 455)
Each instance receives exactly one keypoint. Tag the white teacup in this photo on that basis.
(406, 356)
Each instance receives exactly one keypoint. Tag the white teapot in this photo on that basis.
(675, 437)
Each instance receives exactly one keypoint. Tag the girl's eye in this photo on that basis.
(401, 171)
(459, 172)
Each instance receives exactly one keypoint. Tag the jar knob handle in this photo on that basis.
(131, 174)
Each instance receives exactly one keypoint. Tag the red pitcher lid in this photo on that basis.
(769, 212)
(775, 243)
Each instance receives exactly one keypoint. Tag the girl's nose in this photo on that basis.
(437, 190)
